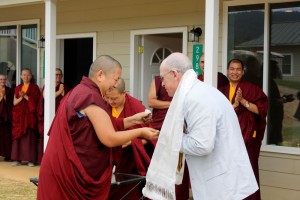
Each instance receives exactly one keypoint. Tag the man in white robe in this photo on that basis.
(214, 149)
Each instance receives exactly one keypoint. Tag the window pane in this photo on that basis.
(29, 49)
(246, 39)
(284, 75)
(8, 49)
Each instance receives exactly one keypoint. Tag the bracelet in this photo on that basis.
(247, 104)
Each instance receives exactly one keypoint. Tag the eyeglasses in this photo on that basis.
(163, 76)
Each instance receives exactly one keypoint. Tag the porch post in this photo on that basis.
(50, 62)
(211, 41)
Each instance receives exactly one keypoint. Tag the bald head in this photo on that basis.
(121, 86)
(177, 61)
(105, 63)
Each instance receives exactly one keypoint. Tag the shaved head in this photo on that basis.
(105, 63)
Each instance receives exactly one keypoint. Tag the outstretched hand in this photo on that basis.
(142, 118)
(150, 133)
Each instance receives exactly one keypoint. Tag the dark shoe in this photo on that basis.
(7, 159)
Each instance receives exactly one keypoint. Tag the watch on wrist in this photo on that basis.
(247, 104)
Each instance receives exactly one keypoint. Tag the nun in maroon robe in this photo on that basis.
(252, 125)
(70, 168)
(6, 104)
(134, 158)
(40, 113)
(76, 164)
(24, 127)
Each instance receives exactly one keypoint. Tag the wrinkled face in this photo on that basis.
(58, 76)
(110, 80)
(202, 63)
(169, 80)
(235, 72)
(2, 80)
(115, 99)
(26, 76)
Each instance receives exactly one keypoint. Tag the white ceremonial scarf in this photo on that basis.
(162, 174)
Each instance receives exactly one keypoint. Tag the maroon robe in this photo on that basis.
(135, 158)
(40, 114)
(158, 116)
(76, 165)
(24, 127)
(6, 123)
(250, 122)
(222, 79)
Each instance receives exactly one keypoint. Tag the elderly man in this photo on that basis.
(216, 156)
(251, 106)
(77, 163)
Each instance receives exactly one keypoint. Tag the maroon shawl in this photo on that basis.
(25, 112)
(63, 175)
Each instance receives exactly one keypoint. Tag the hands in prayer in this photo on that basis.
(238, 98)
(61, 89)
(2, 93)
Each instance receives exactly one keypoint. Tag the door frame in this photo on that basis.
(136, 41)
(61, 37)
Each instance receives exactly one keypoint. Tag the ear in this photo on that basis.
(100, 75)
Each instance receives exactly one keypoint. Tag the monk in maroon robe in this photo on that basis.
(222, 79)
(25, 130)
(159, 100)
(135, 156)
(251, 106)
(60, 90)
(6, 104)
(77, 163)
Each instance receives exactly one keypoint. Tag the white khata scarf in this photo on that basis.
(162, 174)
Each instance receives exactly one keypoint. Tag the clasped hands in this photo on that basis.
(238, 98)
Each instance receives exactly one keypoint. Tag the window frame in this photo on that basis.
(266, 49)
(291, 64)
(18, 25)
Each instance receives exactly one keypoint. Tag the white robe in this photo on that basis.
(216, 155)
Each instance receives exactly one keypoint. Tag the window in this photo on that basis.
(246, 35)
(18, 50)
(8, 46)
(287, 65)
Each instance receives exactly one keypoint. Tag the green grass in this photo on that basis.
(291, 135)
(17, 190)
(288, 83)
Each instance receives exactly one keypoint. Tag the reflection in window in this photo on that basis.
(29, 49)
(284, 75)
(8, 49)
(245, 39)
